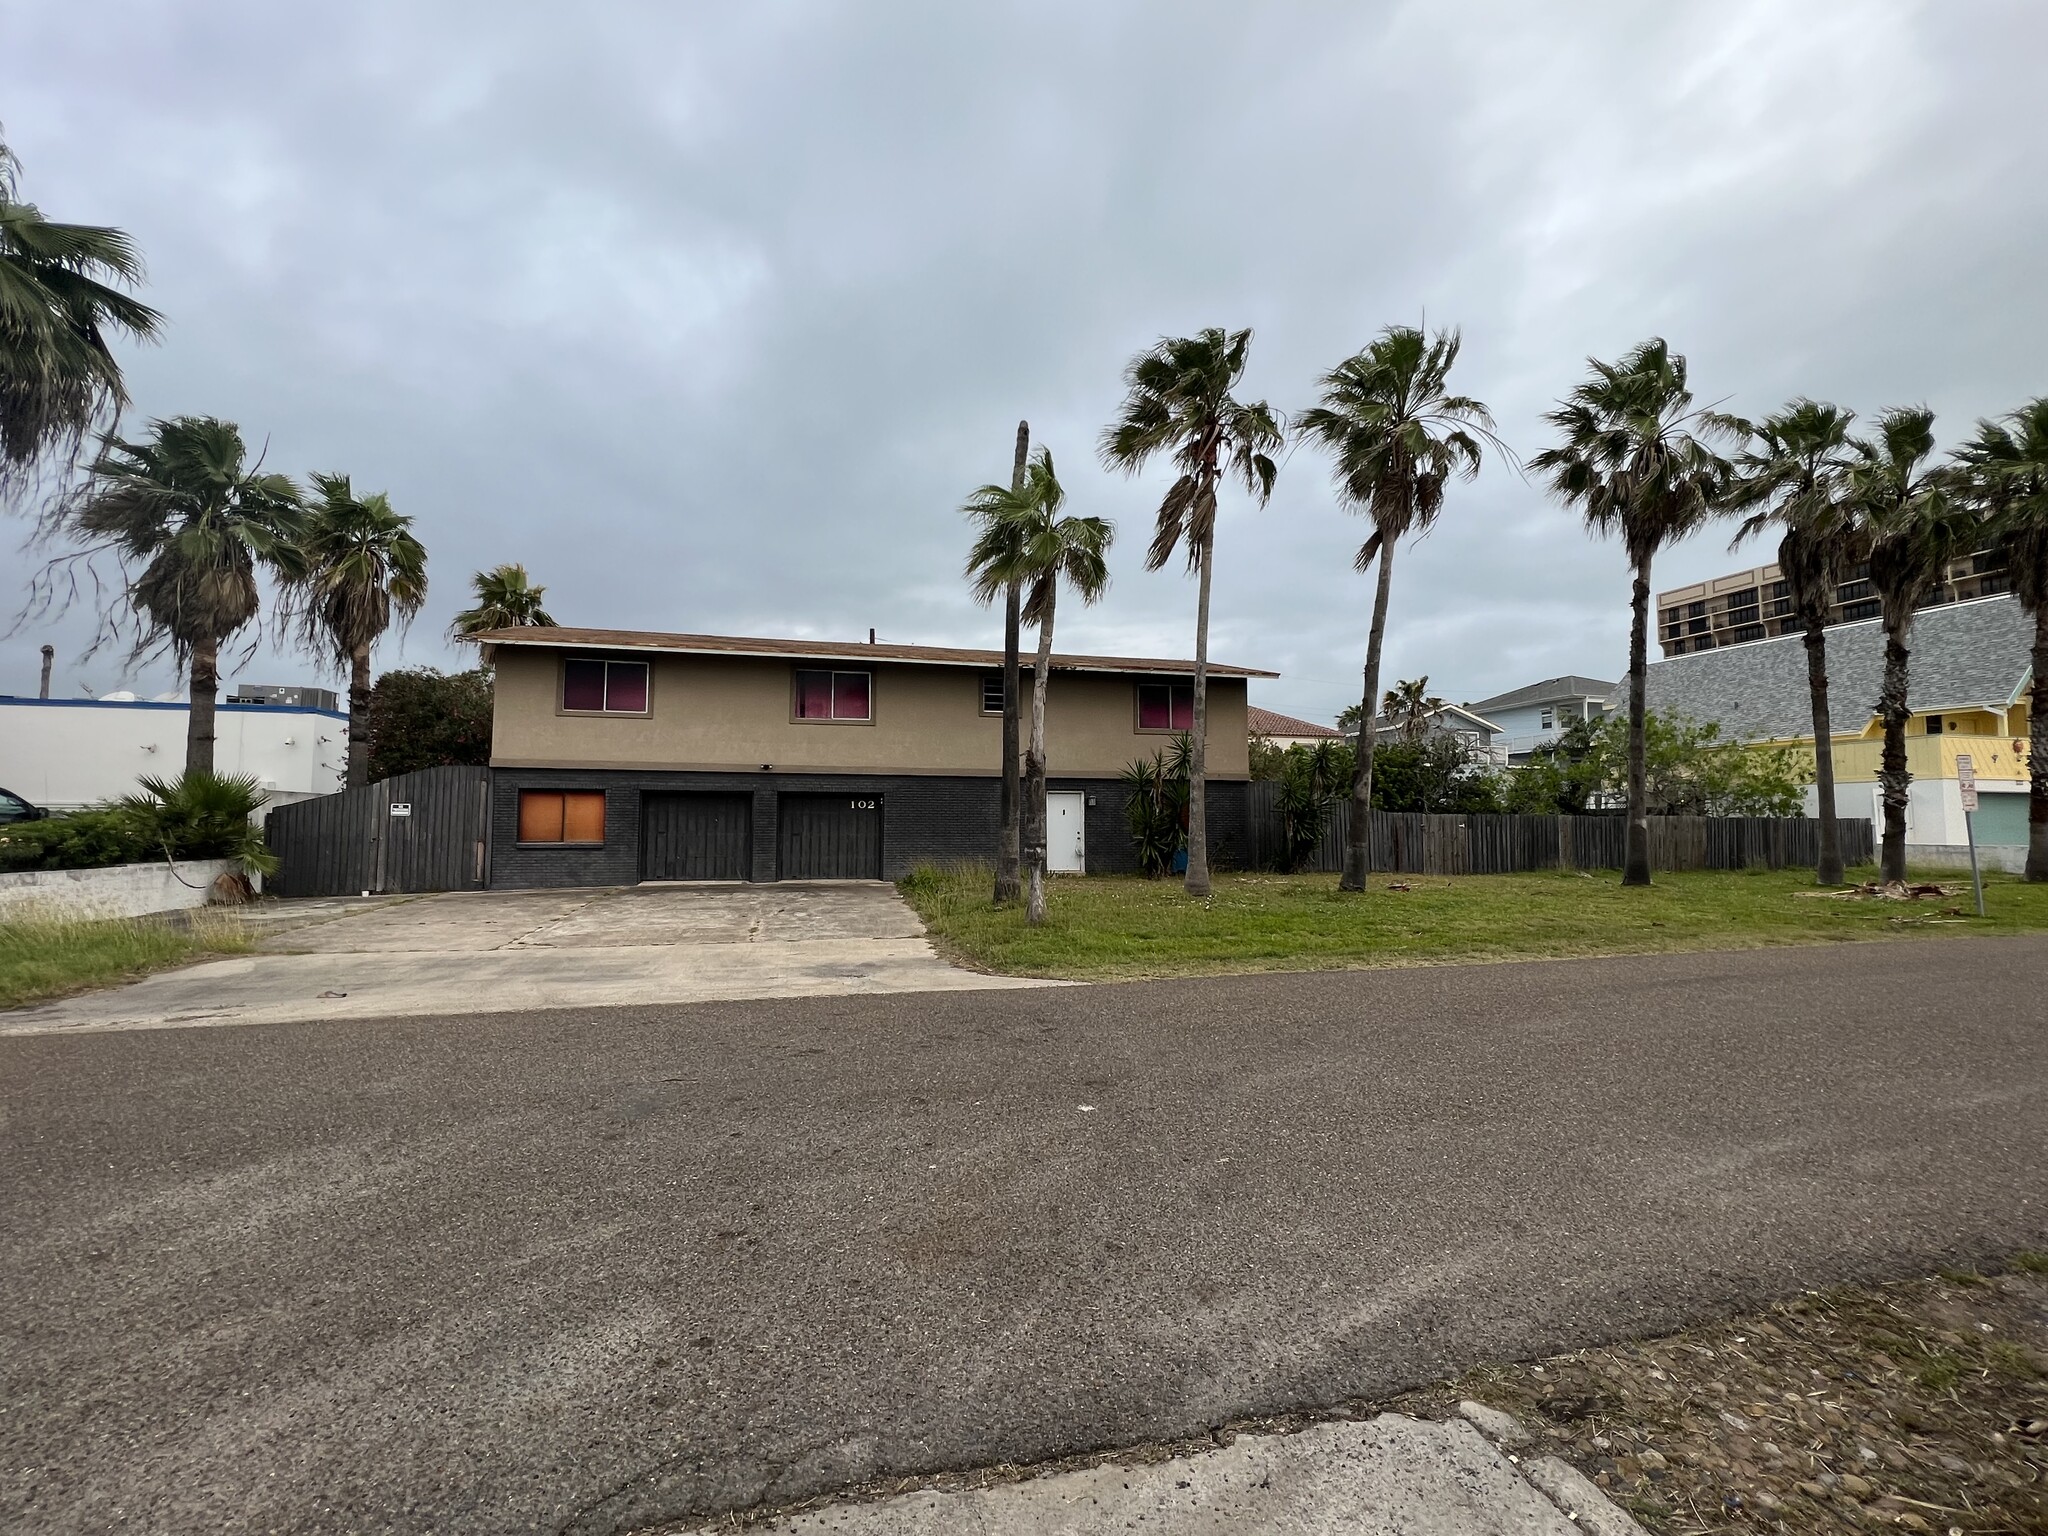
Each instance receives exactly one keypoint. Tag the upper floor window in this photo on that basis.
(992, 693)
(834, 696)
(1166, 706)
(591, 686)
(1549, 720)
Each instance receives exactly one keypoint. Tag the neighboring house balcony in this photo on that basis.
(1515, 748)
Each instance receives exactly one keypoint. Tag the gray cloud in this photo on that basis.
(713, 317)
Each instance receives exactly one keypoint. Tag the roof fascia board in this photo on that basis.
(854, 652)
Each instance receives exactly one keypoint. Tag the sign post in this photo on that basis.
(1966, 778)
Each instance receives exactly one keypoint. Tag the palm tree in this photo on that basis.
(506, 598)
(1635, 462)
(1025, 541)
(1794, 476)
(59, 382)
(986, 506)
(2007, 463)
(362, 567)
(191, 525)
(1410, 706)
(1914, 526)
(1178, 400)
(1397, 436)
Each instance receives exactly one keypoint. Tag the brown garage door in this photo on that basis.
(830, 837)
(696, 837)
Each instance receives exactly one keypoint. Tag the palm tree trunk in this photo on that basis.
(359, 717)
(203, 709)
(1010, 840)
(2037, 760)
(1829, 871)
(1892, 777)
(1636, 861)
(1034, 772)
(1198, 755)
(1358, 839)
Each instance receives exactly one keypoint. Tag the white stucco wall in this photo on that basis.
(125, 890)
(1934, 807)
(64, 753)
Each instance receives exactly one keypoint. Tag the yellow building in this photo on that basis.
(1968, 685)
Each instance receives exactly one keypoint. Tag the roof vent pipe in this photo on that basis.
(871, 635)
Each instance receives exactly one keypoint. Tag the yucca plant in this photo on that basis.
(1156, 807)
(1310, 780)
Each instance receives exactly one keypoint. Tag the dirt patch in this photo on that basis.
(1920, 1406)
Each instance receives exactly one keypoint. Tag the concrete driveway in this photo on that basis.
(484, 951)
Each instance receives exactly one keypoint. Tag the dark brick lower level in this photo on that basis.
(922, 819)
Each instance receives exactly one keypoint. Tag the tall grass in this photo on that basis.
(45, 954)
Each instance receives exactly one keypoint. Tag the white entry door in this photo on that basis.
(1066, 846)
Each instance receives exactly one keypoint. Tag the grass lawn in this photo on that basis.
(1108, 927)
(45, 957)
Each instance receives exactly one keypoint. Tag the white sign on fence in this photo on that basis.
(1966, 777)
(401, 807)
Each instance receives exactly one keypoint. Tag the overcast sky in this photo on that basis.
(712, 315)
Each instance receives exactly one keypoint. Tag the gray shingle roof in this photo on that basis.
(1550, 691)
(1964, 656)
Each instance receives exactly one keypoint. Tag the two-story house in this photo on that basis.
(621, 756)
(1536, 715)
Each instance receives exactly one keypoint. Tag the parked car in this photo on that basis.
(14, 808)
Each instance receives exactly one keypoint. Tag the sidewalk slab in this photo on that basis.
(1389, 1476)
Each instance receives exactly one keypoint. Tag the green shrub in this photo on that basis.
(195, 816)
(90, 839)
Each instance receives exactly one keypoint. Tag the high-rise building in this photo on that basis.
(1756, 604)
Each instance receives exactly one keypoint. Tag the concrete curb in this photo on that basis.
(1564, 1485)
(1386, 1476)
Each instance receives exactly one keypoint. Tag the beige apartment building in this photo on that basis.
(1755, 604)
(620, 756)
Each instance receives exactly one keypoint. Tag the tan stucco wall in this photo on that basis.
(734, 713)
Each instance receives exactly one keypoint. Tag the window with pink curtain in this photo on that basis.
(625, 687)
(1166, 706)
(850, 696)
(582, 684)
(834, 696)
(604, 687)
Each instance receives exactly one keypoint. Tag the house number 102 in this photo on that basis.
(862, 805)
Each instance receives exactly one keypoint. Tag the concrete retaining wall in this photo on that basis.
(2012, 858)
(124, 890)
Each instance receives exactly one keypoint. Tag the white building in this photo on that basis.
(61, 754)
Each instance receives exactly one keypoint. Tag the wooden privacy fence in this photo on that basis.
(1412, 842)
(422, 831)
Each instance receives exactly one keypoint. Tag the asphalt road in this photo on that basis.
(586, 1271)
